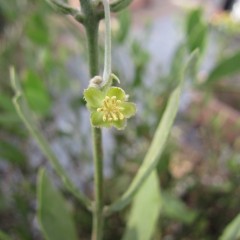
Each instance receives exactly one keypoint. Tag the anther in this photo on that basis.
(111, 109)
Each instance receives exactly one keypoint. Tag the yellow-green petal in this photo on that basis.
(120, 124)
(97, 120)
(116, 91)
(129, 109)
(93, 97)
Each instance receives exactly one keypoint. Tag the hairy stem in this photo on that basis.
(91, 25)
(98, 181)
(107, 55)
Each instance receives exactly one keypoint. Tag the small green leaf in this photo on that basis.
(117, 6)
(53, 215)
(196, 30)
(193, 18)
(227, 67)
(175, 209)
(124, 18)
(232, 231)
(145, 211)
(179, 58)
(197, 39)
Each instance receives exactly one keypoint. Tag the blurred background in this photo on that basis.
(199, 170)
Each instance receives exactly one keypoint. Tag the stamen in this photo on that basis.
(111, 109)
(114, 116)
(121, 116)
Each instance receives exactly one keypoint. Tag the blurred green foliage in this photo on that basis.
(53, 213)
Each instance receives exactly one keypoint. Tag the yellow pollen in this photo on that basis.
(111, 109)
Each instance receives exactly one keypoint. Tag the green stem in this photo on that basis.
(98, 181)
(91, 25)
(107, 55)
(24, 113)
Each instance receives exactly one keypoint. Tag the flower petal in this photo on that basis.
(129, 109)
(118, 92)
(97, 120)
(93, 97)
(120, 124)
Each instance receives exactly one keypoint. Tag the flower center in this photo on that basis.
(111, 109)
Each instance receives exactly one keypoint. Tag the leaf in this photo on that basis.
(196, 30)
(175, 209)
(232, 231)
(11, 153)
(193, 18)
(125, 24)
(175, 70)
(145, 211)
(157, 146)
(4, 236)
(227, 67)
(117, 6)
(36, 93)
(53, 215)
(26, 116)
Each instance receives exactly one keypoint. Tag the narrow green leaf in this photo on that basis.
(197, 38)
(175, 209)
(55, 220)
(196, 30)
(227, 67)
(175, 70)
(145, 211)
(4, 236)
(125, 24)
(26, 116)
(232, 231)
(154, 152)
(119, 5)
(158, 143)
(193, 18)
